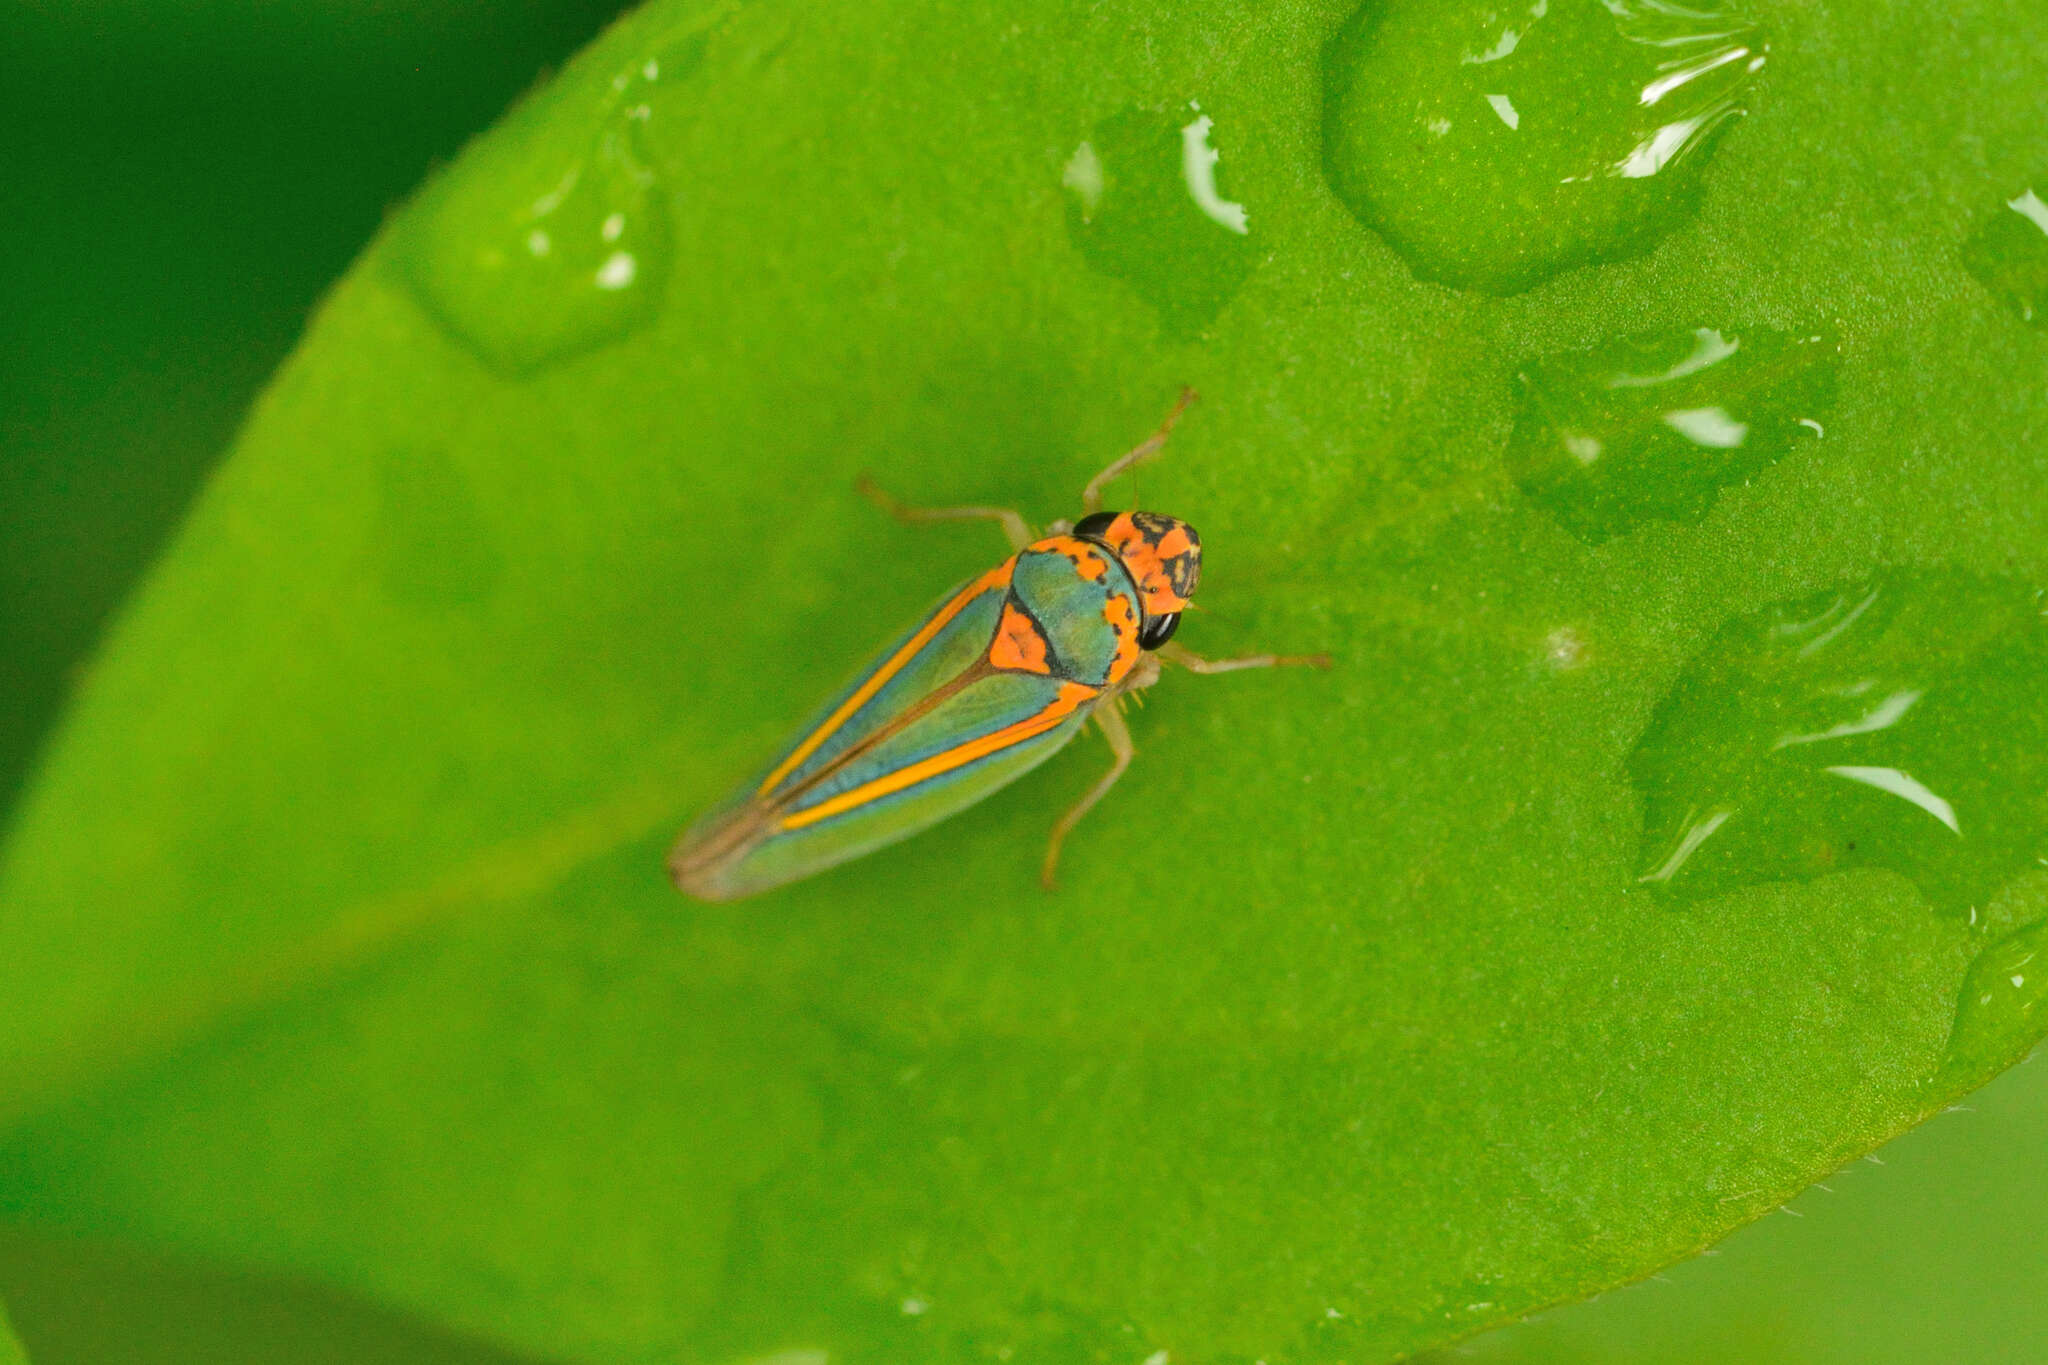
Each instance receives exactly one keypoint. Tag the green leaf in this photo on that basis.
(98, 1303)
(336, 932)
(1887, 1265)
(10, 1348)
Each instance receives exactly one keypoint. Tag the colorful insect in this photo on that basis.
(994, 681)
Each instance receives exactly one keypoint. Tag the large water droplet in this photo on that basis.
(1146, 205)
(1999, 1013)
(1897, 724)
(548, 238)
(1496, 144)
(1656, 425)
(2009, 255)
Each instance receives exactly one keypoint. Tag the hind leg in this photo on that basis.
(1123, 751)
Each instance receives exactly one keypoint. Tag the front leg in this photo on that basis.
(1091, 496)
(1014, 526)
(1195, 663)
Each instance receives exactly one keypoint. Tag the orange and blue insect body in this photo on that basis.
(994, 681)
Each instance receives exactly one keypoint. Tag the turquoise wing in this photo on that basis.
(931, 727)
(879, 819)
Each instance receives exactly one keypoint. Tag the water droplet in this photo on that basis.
(549, 237)
(1999, 1013)
(1147, 204)
(2009, 255)
(1898, 724)
(1657, 425)
(1494, 145)
(1563, 649)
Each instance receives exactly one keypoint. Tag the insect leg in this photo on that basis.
(1091, 496)
(1195, 663)
(1119, 737)
(1014, 525)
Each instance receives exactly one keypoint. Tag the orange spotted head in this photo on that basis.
(1164, 557)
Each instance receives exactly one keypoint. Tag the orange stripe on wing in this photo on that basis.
(998, 577)
(1071, 696)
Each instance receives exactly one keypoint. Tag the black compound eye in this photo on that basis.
(1095, 523)
(1157, 630)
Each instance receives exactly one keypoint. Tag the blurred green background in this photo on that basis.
(185, 177)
